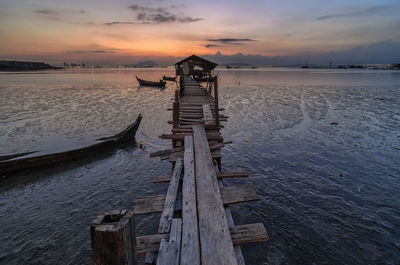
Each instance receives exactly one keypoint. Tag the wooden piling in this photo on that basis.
(113, 238)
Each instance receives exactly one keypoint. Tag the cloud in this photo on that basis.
(158, 15)
(211, 45)
(94, 51)
(365, 12)
(231, 40)
(380, 52)
(46, 12)
(119, 23)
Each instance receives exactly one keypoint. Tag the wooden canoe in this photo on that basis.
(151, 83)
(169, 78)
(14, 165)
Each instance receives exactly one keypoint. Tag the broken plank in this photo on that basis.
(149, 243)
(232, 174)
(169, 204)
(149, 204)
(169, 252)
(249, 233)
(238, 194)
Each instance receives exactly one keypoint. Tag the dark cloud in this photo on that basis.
(380, 52)
(211, 45)
(46, 12)
(119, 23)
(231, 40)
(365, 12)
(82, 51)
(158, 15)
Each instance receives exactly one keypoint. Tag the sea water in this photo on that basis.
(322, 149)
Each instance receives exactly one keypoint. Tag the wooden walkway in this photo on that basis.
(196, 226)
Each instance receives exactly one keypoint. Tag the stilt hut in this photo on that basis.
(195, 66)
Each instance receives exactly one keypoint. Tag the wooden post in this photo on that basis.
(176, 95)
(216, 100)
(113, 238)
(175, 115)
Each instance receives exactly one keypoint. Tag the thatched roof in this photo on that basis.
(198, 61)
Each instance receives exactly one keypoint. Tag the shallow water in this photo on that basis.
(321, 148)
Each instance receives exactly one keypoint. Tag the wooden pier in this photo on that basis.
(196, 225)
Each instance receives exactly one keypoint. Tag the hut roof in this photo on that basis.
(198, 61)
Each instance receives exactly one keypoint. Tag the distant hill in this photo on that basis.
(146, 64)
(236, 64)
(20, 66)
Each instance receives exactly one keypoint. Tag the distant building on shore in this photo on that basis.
(23, 66)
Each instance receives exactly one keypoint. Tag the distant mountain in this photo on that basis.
(20, 66)
(236, 64)
(146, 64)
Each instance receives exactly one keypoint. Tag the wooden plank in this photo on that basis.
(149, 204)
(149, 243)
(232, 174)
(238, 194)
(190, 253)
(249, 233)
(207, 115)
(215, 239)
(231, 223)
(181, 137)
(240, 234)
(229, 195)
(220, 175)
(169, 205)
(169, 252)
(162, 179)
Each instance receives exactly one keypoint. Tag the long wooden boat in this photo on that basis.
(169, 78)
(151, 83)
(14, 165)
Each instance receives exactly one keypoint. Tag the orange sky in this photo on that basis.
(126, 31)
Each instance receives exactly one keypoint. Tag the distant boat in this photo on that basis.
(151, 83)
(169, 78)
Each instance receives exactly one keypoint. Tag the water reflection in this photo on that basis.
(321, 148)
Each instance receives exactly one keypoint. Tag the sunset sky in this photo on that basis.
(123, 31)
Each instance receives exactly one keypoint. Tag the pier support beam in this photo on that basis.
(113, 238)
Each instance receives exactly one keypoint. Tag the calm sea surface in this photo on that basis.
(322, 148)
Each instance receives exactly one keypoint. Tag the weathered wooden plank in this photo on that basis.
(249, 233)
(190, 254)
(169, 204)
(149, 243)
(229, 195)
(149, 204)
(215, 239)
(220, 175)
(240, 234)
(169, 252)
(232, 174)
(231, 223)
(181, 137)
(238, 194)
(207, 115)
(162, 179)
